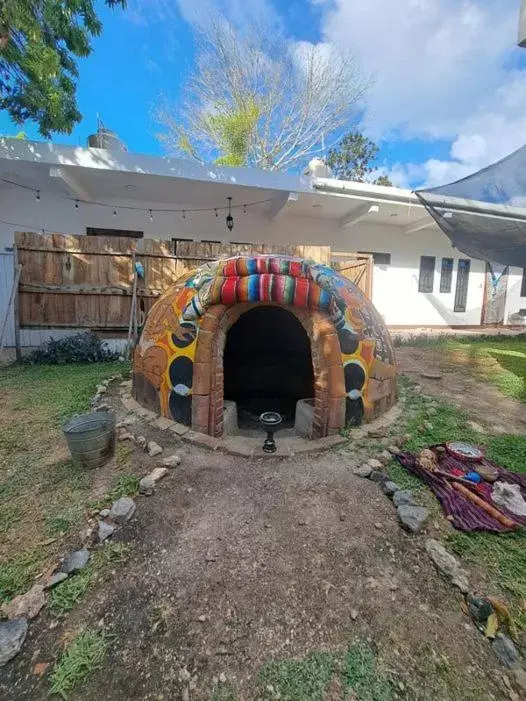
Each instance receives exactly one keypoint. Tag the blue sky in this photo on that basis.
(449, 91)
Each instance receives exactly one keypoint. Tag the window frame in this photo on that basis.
(523, 283)
(461, 293)
(426, 276)
(446, 274)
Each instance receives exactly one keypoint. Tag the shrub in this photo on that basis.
(84, 347)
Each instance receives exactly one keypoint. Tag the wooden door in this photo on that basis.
(358, 270)
(495, 289)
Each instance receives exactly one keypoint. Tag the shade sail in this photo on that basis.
(484, 214)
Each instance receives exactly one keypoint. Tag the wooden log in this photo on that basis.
(491, 510)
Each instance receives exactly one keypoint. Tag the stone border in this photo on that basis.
(251, 447)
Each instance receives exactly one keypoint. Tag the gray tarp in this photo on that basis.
(484, 214)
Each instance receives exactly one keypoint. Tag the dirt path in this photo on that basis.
(483, 402)
(238, 562)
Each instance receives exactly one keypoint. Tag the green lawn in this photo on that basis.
(499, 360)
(43, 494)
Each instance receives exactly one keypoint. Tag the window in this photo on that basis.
(93, 231)
(427, 274)
(446, 274)
(461, 293)
(523, 286)
(175, 242)
(378, 258)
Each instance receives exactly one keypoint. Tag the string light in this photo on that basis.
(96, 203)
(151, 215)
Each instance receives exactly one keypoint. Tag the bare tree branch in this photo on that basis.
(300, 93)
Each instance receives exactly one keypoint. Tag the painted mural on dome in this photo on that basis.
(163, 359)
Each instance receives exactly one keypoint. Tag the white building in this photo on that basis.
(416, 279)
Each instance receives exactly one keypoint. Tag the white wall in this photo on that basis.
(514, 301)
(395, 287)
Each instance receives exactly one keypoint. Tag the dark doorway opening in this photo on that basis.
(267, 365)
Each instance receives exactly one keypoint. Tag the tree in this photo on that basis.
(39, 43)
(352, 158)
(254, 98)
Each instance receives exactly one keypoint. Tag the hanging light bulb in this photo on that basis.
(244, 209)
(76, 204)
(184, 214)
(38, 195)
(215, 212)
(151, 215)
(229, 217)
(114, 212)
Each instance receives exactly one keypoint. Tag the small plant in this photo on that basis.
(83, 656)
(84, 347)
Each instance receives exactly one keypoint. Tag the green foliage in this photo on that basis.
(352, 159)
(84, 347)
(40, 41)
(127, 486)
(509, 451)
(83, 656)
(308, 679)
(234, 130)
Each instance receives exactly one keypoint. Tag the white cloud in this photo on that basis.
(442, 72)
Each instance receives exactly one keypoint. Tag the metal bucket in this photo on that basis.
(91, 438)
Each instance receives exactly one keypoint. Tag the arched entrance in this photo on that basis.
(267, 364)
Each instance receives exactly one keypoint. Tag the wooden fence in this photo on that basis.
(87, 281)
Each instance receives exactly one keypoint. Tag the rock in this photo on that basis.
(354, 614)
(401, 497)
(394, 449)
(55, 579)
(431, 375)
(428, 425)
(104, 513)
(519, 675)
(147, 484)
(412, 517)
(378, 476)
(40, 668)
(125, 422)
(374, 464)
(407, 437)
(95, 400)
(171, 461)
(363, 470)
(125, 436)
(378, 525)
(342, 516)
(12, 636)
(505, 650)
(380, 432)
(154, 449)
(100, 389)
(103, 407)
(222, 678)
(76, 561)
(390, 488)
(447, 564)
(26, 605)
(431, 411)
(417, 389)
(141, 441)
(384, 457)
(122, 510)
(105, 531)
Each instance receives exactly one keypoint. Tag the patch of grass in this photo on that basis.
(41, 491)
(17, 574)
(225, 692)
(355, 671)
(126, 486)
(509, 451)
(81, 658)
(65, 596)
